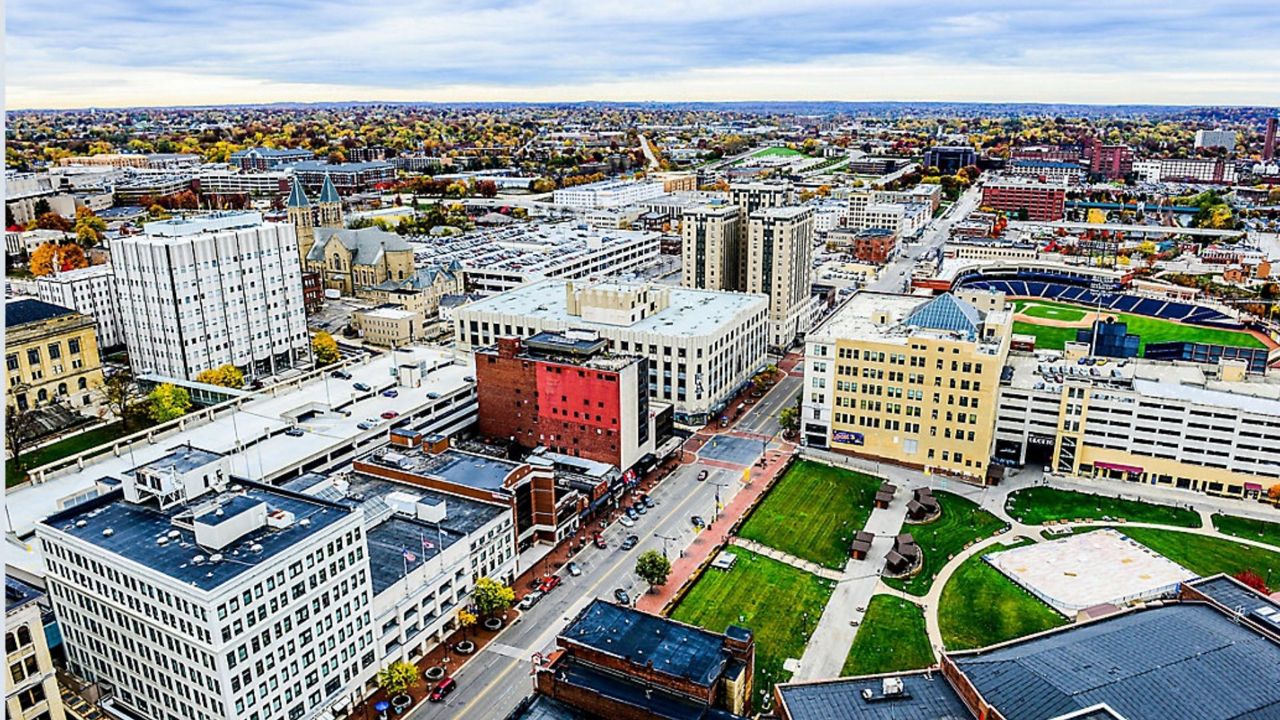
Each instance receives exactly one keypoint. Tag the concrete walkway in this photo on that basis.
(795, 562)
(829, 645)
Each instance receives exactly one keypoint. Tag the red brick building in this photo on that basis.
(1112, 162)
(312, 292)
(1042, 201)
(874, 246)
(567, 393)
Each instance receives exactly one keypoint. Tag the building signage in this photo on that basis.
(845, 437)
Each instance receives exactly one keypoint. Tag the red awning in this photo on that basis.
(1252, 486)
(1134, 469)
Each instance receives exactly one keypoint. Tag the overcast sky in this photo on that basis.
(104, 53)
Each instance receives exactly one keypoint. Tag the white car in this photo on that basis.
(626, 521)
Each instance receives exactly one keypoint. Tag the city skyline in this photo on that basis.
(1081, 52)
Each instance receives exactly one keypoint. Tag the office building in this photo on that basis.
(778, 263)
(1026, 199)
(903, 213)
(607, 193)
(89, 291)
(1186, 426)
(1111, 162)
(51, 356)
(709, 247)
(1050, 153)
(23, 191)
(348, 178)
(261, 159)
(1269, 140)
(568, 393)
(221, 180)
(1066, 173)
(1225, 139)
(874, 246)
(950, 158)
(701, 345)
(388, 326)
(198, 293)
(1216, 170)
(153, 161)
(197, 596)
(143, 186)
(31, 687)
(752, 196)
(906, 379)
(616, 662)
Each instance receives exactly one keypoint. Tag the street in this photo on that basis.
(494, 682)
(895, 276)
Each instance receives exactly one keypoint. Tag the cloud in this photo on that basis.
(158, 52)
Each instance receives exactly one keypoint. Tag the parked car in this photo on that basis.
(600, 541)
(640, 508)
(648, 501)
(368, 424)
(698, 522)
(573, 569)
(294, 431)
(442, 689)
(702, 475)
(469, 379)
(630, 542)
(433, 396)
(625, 521)
(390, 392)
(621, 596)
(340, 374)
(531, 599)
(361, 387)
(549, 583)
(390, 415)
(631, 513)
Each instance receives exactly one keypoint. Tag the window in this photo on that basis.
(55, 351)
(11, 361)
(33, 356)
(73, 346)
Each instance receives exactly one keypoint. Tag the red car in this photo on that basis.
(549, 583)
(390, 415)
(599, 541)
(442, 689)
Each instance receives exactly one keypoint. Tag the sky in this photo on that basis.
(112, 53)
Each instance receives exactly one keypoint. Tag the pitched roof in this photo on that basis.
(297, 197)
(329, 193)
(946, 312)
(366, 245)
(30, 310)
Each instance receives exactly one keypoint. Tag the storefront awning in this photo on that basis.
(1252, 486)
(1134, 469)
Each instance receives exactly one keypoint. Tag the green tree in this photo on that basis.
(653, 567)
(789, 418)
(168, 402)
(491, 597)
(122, 396)
(227, 375)
(325, 348)
(398, 677)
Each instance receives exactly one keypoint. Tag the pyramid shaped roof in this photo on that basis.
(297, 198)
(329, 193)
(946, 312)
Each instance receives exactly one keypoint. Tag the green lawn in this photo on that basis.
(777, 602)
(1051, 312)
(813, 511)
(892, 637)
(962, 521)
(1260, 530)
(980, 606)
(777, 152)
(1152, 330)
(63, 448)
(1208, 555)
(1036, 505)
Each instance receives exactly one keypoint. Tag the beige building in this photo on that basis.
(354, 261)
(51, 355)
(709, 247)
(778, 263)
(907, 379)
(31, 688)
(389, 326)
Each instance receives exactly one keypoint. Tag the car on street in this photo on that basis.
(549, 583)
(630, 542)
(340, 374)
(294, 432)
(702, 475)
(648, 501)
(600, 541)
(621, 596)
(390, 415)
(442, 689)
(530, 600)
(698, 522)
(368, 424)
(390, 392)
(433, 396)
(573, 569)
(361, 387)
(625, 521)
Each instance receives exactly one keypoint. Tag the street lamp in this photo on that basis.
(665, 539)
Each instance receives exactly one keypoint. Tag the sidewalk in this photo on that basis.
(795, 562)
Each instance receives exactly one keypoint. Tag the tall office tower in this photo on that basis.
(777, 263)
(709, 250)
(198, 293)
(1269, 140)
(750, 197)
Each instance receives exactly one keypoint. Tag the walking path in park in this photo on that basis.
(795, 562)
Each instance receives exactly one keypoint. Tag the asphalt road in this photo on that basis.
(494, 682)
(895, 276)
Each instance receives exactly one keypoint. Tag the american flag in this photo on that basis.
(409, 557)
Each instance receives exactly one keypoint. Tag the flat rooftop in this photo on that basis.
(18, 593)
(856, 320)
(691, 312)
(657, 704)
(181, 459)
(460, 468)
(135, 530)
(924, 698)
(531, 249)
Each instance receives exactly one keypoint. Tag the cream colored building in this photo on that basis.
(778, 263)
(907, 379)
(31, 688)
(389, 326)
(709, 247)
(51, 355)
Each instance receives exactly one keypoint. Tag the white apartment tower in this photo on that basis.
(778, 264)
(89, 291)
(709, 247)
(198, 293)
(196, 598)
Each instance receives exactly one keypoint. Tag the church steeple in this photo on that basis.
(329, 207)
(329, 193)
(302, 215)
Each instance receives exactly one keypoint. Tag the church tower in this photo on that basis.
(303, 218)
(329, 208)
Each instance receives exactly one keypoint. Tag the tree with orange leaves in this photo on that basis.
(53, 257)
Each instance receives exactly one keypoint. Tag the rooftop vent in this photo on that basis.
(81, 523)
(216, 557)
(197, 560)
(162, 541)
(256, 547)
(108, 532)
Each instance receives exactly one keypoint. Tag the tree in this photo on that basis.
(19, 428)
(543, 185)
(486, 188)
(1253, 580)
(89, 227)
(398, 677)
(1273, 493)
(491, 597)
(53, 221)
(325, 348)
(168, 402)
(228, 376)
(41, 207)
(59, 257)
(122, 396)
(789, 418)
(466, 619)
(653, 567)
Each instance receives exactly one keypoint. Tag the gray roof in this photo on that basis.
(329, 193)
(297, 197)
(367, 245)
(924, 698)
(946, 312)
(1178, 661)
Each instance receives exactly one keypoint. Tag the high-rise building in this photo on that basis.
(198, 293)
(31, 687)
(198, 599)
(89, 291)
(777, 262)
(1269, 140)
(568, 393)
(1018, 196)
(908, 379)
(1112, 162)
(750, 197)
(1216, 139)
(709, 252)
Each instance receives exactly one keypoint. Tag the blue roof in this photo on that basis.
(297, 197)
(673, 648)
(329, 193)
(923, 698)
(18, 593)
(946, 312)
(30, 310)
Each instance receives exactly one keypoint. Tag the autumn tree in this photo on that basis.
(398, 677)
(1253, 580)
(325, 348)
(227, 375)
(89, 228)
(168, 402)
(53, 221)
(57, 257)
(122, 397)
(491, 597)
(466, 619)
(19, 428)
